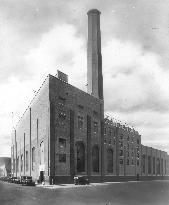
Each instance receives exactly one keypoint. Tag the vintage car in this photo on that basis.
(17, 180)
(27, 180)
(12, 179)
(81, 180)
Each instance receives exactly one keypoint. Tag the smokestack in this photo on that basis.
(94, 56)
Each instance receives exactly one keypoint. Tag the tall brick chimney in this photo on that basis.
(94, 56)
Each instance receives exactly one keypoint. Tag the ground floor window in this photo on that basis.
(26, 160)
(109, 160)
(95, 158)
(149, 164)
(80, 157)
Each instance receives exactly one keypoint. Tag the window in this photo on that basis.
(80, 122)
(22, 163)
(61, 101)
(161, 166)
(121, 161)
(128, 138)
(13, 165)
(121, 145)
(95, 127)
(154, 165)
(80, 157)
(105, 130)
(121, 137)
(62, 158)
(158, 166)
(62, 116)
(149, 164)
(62, 143)
(138, 162)
(128, 162)
(132, 161)
(95, 158)
(110, 132)
(138, 141)
(121, 152)
(165, 166)
(144, 163)
(42, 156)
(33, 158)
(26, 160)
(18, 164)
(109, 160)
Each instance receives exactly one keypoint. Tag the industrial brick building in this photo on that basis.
(63, 132)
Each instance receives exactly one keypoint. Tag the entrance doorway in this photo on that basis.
(41, 177)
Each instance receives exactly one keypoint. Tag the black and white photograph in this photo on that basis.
(84, 106)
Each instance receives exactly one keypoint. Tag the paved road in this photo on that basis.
(131, 193)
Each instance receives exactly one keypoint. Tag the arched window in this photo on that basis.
(95, 158)
(109, 160)
(80, 157)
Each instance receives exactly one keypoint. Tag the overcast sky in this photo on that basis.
(39, 37)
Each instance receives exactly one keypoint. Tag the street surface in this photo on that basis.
(125, 193)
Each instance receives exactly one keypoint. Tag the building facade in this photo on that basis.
(5, 166)
(63, 132)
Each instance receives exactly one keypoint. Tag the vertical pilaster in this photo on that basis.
(88, 146)
(30, 142)
(15, 154)
(24, 153)
(72, 158)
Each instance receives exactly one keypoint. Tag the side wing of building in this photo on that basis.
(30, 150)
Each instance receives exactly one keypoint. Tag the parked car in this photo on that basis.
(27, 180)
(81, 180)
(12, 179)
(17, 180)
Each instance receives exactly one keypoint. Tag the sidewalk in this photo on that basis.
(59, 186)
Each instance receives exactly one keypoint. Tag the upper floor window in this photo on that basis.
(61, 100)
(121, 152)
(105, 130)
(132, 161)
(62, 143)
(121, 161)
(62, 157)
(110, 132)
(121, 137)
(128, 138)
(121, 145)
(80, 122)
(62, 116)
(95, 127)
